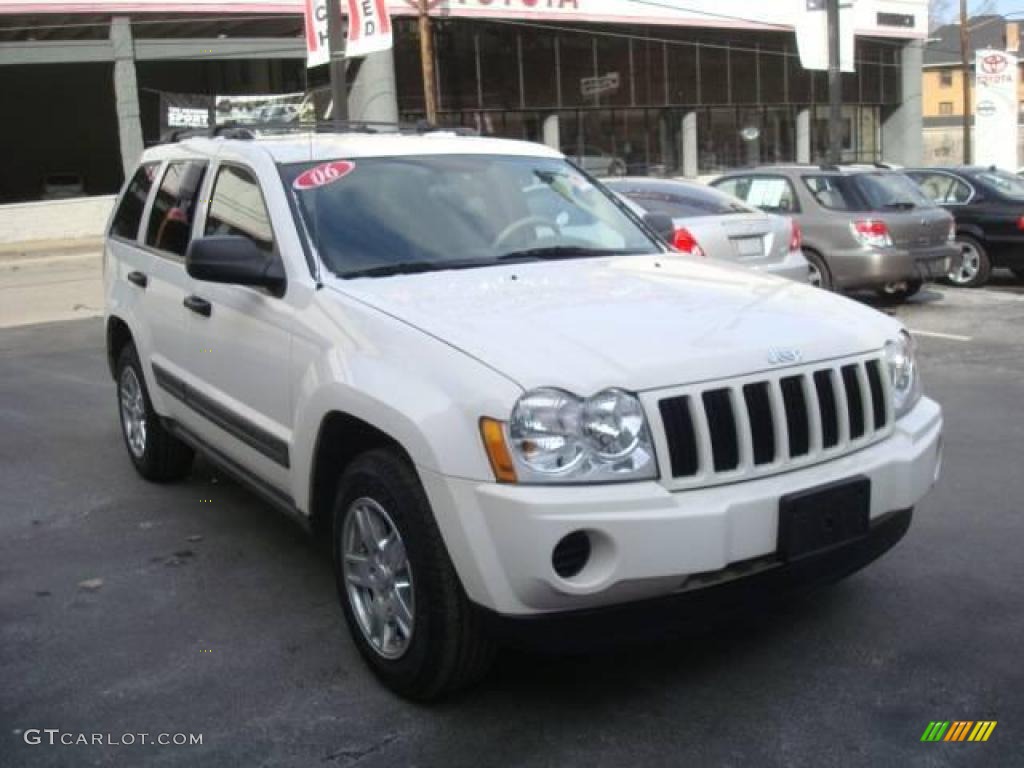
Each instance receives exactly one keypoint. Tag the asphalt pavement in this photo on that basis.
(129, 608)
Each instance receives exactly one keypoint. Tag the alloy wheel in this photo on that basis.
(970, 265)
(133, 412)
(378, 578)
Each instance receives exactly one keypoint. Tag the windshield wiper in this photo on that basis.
(900, 205)
(553, 252)
(414, 267)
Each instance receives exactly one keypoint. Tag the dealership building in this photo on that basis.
(666, 87)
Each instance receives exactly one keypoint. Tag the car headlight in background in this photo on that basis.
(554, 436)
(904, 378)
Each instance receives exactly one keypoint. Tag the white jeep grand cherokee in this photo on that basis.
(498, 394)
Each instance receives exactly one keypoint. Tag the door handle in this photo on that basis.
(138, 278)
(198, 305)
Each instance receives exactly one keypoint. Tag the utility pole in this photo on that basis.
(427, 59)
(835, 86)
(336, 44)
(965, 66)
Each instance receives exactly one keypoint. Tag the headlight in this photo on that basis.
(904, 379)
(555, 436)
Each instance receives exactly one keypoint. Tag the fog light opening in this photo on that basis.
(571, 555)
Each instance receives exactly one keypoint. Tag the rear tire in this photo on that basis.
(820, 276)
(157, 454)
(975, 264)
(445, 646)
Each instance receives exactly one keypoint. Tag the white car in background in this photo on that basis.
(713, 224)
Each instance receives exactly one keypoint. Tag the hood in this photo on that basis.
(636, 322)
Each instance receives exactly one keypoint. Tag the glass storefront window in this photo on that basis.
(746, 88)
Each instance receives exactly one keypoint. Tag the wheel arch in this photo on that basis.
(971, 230)
(118, 336)
(340, 438)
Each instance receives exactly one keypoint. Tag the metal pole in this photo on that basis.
(427, 59)
(336, 44)
(835, 86)
(965, 67)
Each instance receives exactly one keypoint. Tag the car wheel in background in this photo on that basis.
(404, 604)
(819, 274)
(900, 292)
(975, 266)
(156, 453)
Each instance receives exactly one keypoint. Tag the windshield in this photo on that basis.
(890, 190)
(1005, 183)
(388, 215)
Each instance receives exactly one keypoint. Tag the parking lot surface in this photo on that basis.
(127, 607)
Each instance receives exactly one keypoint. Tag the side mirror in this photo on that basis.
(662, 225)
(236, 260)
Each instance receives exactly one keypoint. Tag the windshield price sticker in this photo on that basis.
(324, 174)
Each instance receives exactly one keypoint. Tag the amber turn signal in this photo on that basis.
(497, 450)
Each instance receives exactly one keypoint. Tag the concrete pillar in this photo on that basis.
(803, 136)
(690, 146)
(551, 132)
(374, 96)
(126, 93)
(902, 140)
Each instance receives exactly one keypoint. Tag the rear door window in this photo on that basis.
(942, 188)
(129, 212)
(774, 194)
(174, 208)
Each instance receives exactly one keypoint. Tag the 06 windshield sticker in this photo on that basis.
(323, 174)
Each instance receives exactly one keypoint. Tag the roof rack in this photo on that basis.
(249, 131)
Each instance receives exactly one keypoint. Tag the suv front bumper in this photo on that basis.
(649, 542)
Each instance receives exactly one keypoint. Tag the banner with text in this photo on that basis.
(369, 28)
(995, 109)
(317, 49)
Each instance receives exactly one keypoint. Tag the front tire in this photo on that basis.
(904, 291)
(405, 608)
(157, 454)
(975, 266)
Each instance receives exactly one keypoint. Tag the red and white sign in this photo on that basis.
(317, 49)
(369, 28)
(995, 109)
(323, 174)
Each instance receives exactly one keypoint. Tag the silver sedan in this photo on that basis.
(716, 225)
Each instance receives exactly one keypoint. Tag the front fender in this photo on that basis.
(424, 394)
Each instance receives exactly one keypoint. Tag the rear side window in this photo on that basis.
(174, 208)
(832, 192)
(678, 200)
(129, 211)
(774, 194)
(237, 208)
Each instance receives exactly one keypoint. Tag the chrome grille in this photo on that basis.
(759, 425)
